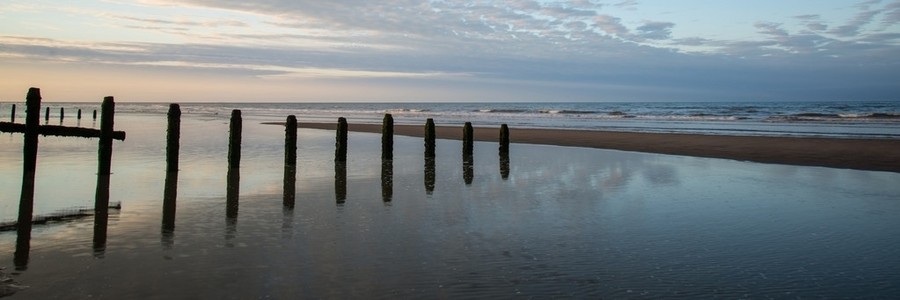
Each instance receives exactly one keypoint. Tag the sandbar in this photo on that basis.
(859, 154)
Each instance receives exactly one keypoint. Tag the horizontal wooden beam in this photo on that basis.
(54, 130)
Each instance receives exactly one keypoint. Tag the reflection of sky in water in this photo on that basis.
(567, 222)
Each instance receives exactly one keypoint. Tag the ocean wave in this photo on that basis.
(565, 111)
(494, 110)
(824, 117)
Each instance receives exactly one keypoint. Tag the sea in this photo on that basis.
(844, 119)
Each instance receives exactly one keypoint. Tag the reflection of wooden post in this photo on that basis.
(340, 181)
(504, 165)
(173, 145)
(387, 180)
(340, 153)
(429, 175)
(387, 137)
(468, 145)
(429, 138)
(468, 169)
(290, 161)
(234, 164)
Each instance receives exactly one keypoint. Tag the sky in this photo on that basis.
(450, 51)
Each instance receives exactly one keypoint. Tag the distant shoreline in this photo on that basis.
(859, 154)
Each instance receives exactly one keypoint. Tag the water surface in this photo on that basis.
(568, 222)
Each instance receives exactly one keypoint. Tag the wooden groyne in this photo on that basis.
(31, 130)
(106, 135)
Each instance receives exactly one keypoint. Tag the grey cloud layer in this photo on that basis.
(577, 41)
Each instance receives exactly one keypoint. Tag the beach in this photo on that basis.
(859, 154)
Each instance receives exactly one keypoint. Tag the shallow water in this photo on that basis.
(568, 222)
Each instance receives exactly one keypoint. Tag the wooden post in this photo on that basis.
(79, 114)
(12, 114)
(234, 164)
(62, 113)
(340, 153)
(387, 137)
(173, 145)
(504, 139)
(29, 163)
(104, 167)
(47, 114)
(104, 170)
(429, 138)
(290, 161)
(95, 114)
(468, 145)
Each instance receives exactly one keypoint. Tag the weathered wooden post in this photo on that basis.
(387, 137)
(468, 145)
(429, 138)
(95, 114)
(173, 144)
(234, 164)
(62, 113)
(290, 161)
(29, 164)
(429, 156)
(12, 114)
(504, 139)
(79, 114)
(504, 151)
(104, 170)
(47, 114)
(340, 152)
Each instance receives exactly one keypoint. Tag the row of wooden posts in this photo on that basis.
(32, 129)
(290, 160)
(62, 114)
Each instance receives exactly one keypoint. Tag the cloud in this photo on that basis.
(655, 30)
(891, 14)
(584, 45)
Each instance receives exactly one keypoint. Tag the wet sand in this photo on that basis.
(860, 154)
